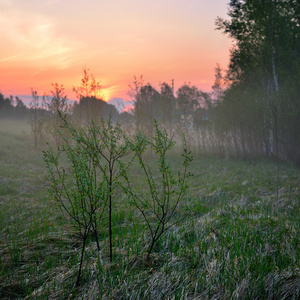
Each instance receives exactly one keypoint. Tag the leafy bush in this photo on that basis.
(159, 205)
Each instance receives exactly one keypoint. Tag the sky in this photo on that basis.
(51, 41)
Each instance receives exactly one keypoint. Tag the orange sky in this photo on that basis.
(52, 40)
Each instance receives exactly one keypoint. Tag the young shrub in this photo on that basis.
(106, 144)
(159, 205)
(78, 189)
(84, 193)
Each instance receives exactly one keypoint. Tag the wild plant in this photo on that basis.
(106, 144)
(78, 189)
(85, 186)
(165, 191)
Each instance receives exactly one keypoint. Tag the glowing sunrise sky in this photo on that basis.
(52, 40)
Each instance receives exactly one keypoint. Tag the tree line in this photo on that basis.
(254, 108)
(12, 108)
(260, 110)
(252, 111)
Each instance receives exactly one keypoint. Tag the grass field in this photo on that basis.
(240, 241)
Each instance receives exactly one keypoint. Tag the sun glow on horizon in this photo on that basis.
(117, 40)
(105, 95)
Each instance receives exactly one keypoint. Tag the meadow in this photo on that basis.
(239, 241)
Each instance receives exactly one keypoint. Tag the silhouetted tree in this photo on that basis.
(20, 109)
(135, 95)
(88, 93)
(6, 107)
(187, 99)
(167, 106)
(57, 104)
(37, 119)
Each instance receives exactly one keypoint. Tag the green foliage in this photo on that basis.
(260, 112)
(239, 240)
(78, 188)
(87, 184)
(161, 202)
(106, 145)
